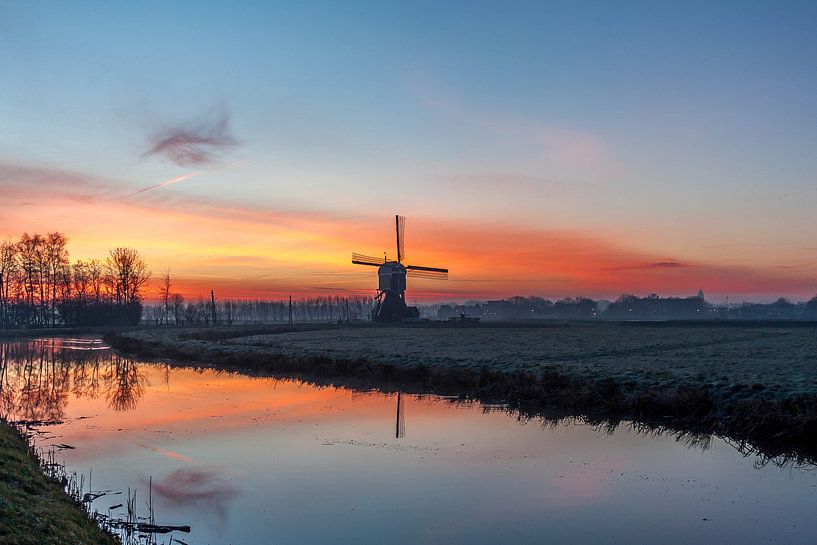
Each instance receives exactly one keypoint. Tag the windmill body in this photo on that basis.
(390, 302)
(392, 277)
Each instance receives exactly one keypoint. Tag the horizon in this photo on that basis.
(581, 151)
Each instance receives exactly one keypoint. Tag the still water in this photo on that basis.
(247, 460)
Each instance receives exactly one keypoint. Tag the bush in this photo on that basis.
(100, 313)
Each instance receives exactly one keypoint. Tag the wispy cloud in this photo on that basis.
(31, 183)
(664, 264)
(576, 149)
(22, 175)
(670, 264)
(195, 143)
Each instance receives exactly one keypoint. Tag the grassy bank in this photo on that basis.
(754, 383)
(34, 509)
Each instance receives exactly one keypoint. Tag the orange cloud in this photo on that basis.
(253, 251)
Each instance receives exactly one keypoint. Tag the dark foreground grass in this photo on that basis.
(35, 510)
(771, 421)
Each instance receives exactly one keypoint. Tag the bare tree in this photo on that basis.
(55, 264)
(95, 277)
(28, 250)
(42, 268)
(40, 287)
(178, 308)
(164, 292)
(8, 271)
(126, 274)
(82, 281)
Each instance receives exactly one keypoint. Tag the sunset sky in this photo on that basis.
(535, 148)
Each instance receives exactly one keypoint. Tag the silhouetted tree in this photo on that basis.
(126, 273)
(8, 272)
(164, 294)
(811, 308)
(28, 250)
(178, 308)
(39, 286)
(56, 266)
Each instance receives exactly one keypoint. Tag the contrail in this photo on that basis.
(171, 181)
(184, 177)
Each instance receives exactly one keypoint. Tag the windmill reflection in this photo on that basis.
(400, 424)
(36, 378)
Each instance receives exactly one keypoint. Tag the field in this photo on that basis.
(755, 382)
(782, 360)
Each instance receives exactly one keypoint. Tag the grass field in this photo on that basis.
(780, 359)
(756, 382)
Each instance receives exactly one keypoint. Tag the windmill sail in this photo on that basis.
(428, 269)
(435, 273)
(400, 226)
(425, 274)
(360, 259)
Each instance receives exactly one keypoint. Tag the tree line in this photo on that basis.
(41, 287)
(626, 307)
(173, 310)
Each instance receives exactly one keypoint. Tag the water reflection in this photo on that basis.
(400, 425)
(37, 377)
(256, 459)
(202, 489)
(125, 385)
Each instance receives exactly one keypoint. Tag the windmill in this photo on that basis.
(391, 290)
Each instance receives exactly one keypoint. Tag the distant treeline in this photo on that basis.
(626, 307)
(356, 308)
(178, 312)
(40, 287)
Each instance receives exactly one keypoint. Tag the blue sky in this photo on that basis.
(681, 129)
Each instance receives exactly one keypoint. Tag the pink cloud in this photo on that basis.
(582, 151)
(258, 251)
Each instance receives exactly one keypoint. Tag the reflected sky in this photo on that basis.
(257, 460)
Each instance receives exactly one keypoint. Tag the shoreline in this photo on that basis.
(35, 509)
(59, 331)
(757, 419)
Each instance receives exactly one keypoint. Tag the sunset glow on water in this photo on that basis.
(247, 460)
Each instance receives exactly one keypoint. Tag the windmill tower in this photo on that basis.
(391, 290)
